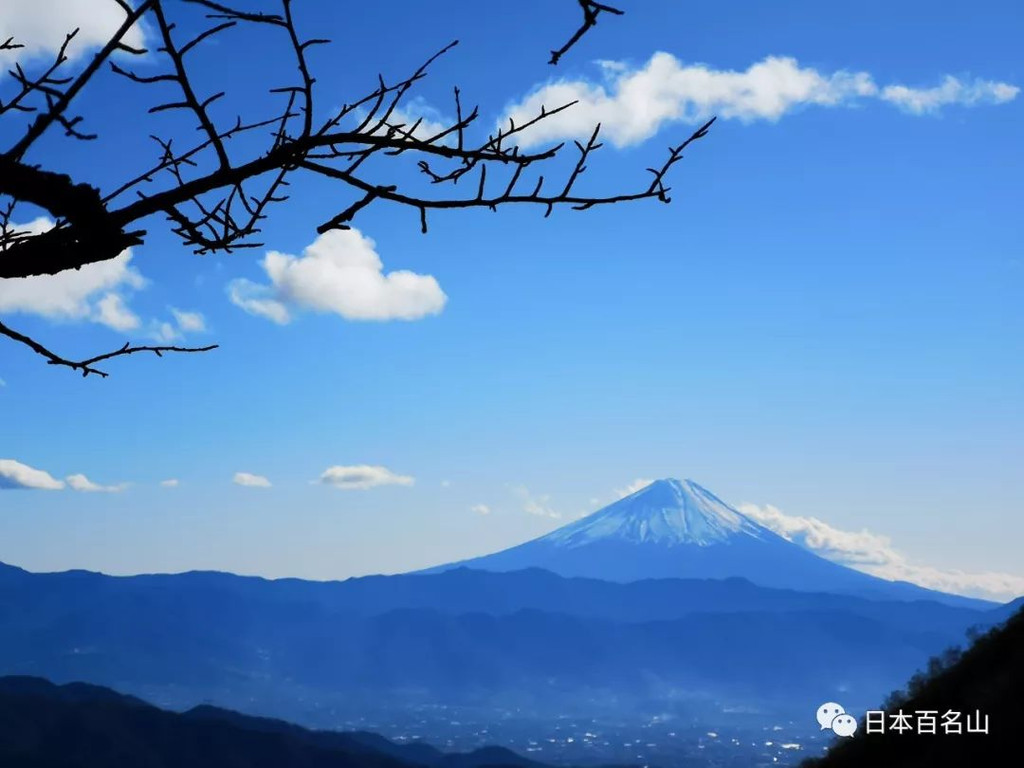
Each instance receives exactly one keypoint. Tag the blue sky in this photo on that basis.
(824, 326)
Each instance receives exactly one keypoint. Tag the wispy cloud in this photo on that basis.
(534, 504)
(112, 312)
(189, 322)
(184, 322)
(632, 104)
(15, 475)
(258, 300)
(83, 484)
(919, 101)
(480, 509)
(339, 273)
(638, 484)
(362, 477)
(41, 27)
(250, 480)
(170, 483)
(873, 553)
(423, 120)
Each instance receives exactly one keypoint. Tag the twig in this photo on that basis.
(591, 10)
(86, 366)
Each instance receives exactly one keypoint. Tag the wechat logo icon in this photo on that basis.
(833, 717)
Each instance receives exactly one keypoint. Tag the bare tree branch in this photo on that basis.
(58, 106)
(86, 366)
(591, 10)
(215, 200)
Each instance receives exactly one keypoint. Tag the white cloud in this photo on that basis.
(632, 488)
(165, 332)
(446, 483)
(430, 124)
(250, 480)
(85, 485)
(257, 300)
(189, 322)
(184, 322)
(918, 101)
(94, 293)
(15, 475)
(875, 554)
(340, 273)
(632, 104)
(480, 509)
(113, 313)
(361, 477)
(41, 26)
(535, 505)
(431, 121)
(853, 548)
(170, 483)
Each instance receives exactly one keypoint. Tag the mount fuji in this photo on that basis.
(677, 529)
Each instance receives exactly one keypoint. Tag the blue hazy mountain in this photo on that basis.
(677, 529)
(32, 598)
(531, 637)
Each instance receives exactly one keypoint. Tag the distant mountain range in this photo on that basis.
(77, 725)
(677, 529)
(530, 637)
(667, 598)
(84, 726)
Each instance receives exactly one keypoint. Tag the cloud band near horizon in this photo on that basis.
(633, 103)
(874, 553)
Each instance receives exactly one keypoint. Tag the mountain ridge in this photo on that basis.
(679, 529)
(460, 635)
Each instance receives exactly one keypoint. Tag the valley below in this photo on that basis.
(560, 668)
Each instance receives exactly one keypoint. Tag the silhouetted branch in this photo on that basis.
(656, 189)
(591, 11)
(215, 200)
(58, 104)
(86, 366)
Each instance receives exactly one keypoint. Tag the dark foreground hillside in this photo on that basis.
(82, 726)
(988, 678)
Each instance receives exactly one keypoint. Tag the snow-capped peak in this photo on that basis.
(665, 512)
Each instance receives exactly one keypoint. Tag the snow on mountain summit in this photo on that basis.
(666, 512)
(675, 529)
